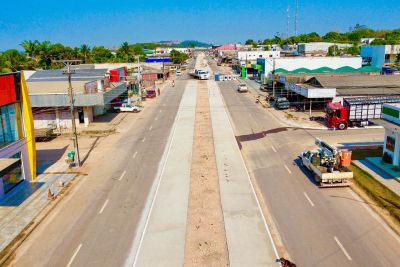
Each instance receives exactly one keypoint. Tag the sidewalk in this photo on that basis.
(23, 204)
(248, 237)
(384, 178)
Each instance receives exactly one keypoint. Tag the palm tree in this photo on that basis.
(30, 47)
(85, 51)
(43, 51)
(125, 50)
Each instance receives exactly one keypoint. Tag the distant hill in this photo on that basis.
(194, 43)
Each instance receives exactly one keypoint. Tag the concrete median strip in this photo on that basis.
(161, 241)
(248, 237)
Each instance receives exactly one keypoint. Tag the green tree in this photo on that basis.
(30, 47)
(100, 54)
(125, 52)
(85, 52)
(250, 42)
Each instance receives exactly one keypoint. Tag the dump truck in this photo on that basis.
(328, 164)
(356, 111)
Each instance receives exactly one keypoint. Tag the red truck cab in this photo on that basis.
(150, 93)
(336, 116)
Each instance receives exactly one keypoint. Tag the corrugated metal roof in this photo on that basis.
(360, 81)
(57, 75)
(59, 87)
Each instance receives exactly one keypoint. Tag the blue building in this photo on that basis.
(380, 55)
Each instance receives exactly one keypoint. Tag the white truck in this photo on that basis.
(200, 74)
(328, 165)
(128, 108)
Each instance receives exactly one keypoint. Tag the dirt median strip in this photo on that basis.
(205, 235)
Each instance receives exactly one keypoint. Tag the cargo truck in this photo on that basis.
(328, 165)
(356, 111)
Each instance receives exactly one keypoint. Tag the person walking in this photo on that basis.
(159, 92)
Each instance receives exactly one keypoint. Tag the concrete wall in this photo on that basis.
(376, 52)
(311, 63)
(54, 118)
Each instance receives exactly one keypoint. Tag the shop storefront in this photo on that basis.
(17, 148)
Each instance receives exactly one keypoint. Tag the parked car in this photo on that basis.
(282, 103)
(128, 108)
(242, 88)
(178, 73)
(150, 93)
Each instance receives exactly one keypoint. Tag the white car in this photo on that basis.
(242, 88)
(178, 73)
(128, 108)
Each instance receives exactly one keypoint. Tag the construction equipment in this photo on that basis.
(328, 164)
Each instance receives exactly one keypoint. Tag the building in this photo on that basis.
(318, 48)
(314, 91)
(391, 122)
(17, 141)
(168, 50)
(94, 92)
(251, 56)
(380, 55)
(307, 64)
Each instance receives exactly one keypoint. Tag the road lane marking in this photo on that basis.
(74, 255)
(104, 206)
(289, 171)
(308, 198)
(342, 248)
(151, 127)
(144, 139)
(134, 155)
(273, 148)
(122, 176)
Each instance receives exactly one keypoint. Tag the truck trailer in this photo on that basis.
(356, 111)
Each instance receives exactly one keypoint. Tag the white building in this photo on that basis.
(309, 63)
(167, 50)
(252, 56)
(318, 48)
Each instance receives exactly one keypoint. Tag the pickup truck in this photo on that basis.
(128, 108)
(282, 103)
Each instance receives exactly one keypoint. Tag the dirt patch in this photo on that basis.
(205, 235)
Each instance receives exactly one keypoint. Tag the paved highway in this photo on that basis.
(318, 227)
(95, 224)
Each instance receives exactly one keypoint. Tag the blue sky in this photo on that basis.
(111, 22)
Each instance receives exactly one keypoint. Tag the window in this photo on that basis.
(12, 175)
(390, 143)
(8, 125)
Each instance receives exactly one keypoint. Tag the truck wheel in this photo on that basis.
(342, 126)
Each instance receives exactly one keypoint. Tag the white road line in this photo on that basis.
(289, 171)
(134, 155)
(122, 176)
(144, 139)
(342, 248)
(74, 255)
(151, 127)
(273, 148)
(104, 206)
(308, 198)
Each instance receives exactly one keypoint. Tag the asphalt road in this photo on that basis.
(318, 227)
(95, 224)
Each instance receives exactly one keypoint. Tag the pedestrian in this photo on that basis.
(158, 90)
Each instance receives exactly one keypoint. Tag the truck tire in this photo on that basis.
(342, 126)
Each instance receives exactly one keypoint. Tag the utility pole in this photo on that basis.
(287, 21)
(273, 78)
(69, 72)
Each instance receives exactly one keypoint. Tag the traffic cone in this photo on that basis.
(50, 196)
